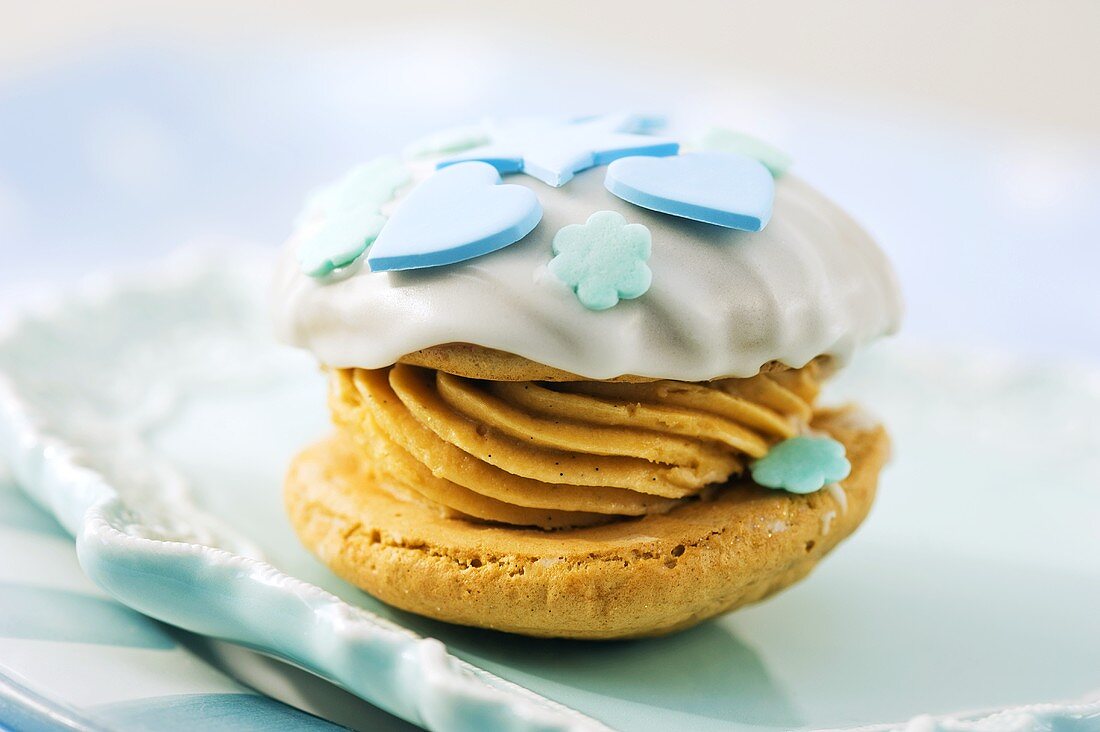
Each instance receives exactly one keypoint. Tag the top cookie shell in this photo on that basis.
(722, 302)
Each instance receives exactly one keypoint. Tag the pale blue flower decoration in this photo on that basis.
(802, 464)
(603, 260)
(722, 140)
(449, 141)
(350, 215)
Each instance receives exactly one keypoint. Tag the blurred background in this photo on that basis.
(964, 134)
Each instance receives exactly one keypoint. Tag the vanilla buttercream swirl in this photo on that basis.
(563, 454)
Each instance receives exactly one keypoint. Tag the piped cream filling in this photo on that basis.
(556, 455)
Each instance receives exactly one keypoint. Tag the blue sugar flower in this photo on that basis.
(351, 213)
(339, 241)
(603, 259)
(449, 141)
(802, 465)
(722, 140)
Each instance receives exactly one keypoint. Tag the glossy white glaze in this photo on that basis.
(722, 302)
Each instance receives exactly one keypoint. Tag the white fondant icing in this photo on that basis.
(722, 302)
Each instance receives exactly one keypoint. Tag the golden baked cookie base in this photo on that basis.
(478, 362)
(631, 578)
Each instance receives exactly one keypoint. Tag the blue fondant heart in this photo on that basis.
(727, 189)
(458, 213)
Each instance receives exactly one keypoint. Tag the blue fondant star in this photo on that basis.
(802, 464)
(553, 151)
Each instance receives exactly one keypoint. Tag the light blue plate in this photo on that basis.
(73, 658)
(154, 418)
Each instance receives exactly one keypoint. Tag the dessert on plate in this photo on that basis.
(573, 370)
